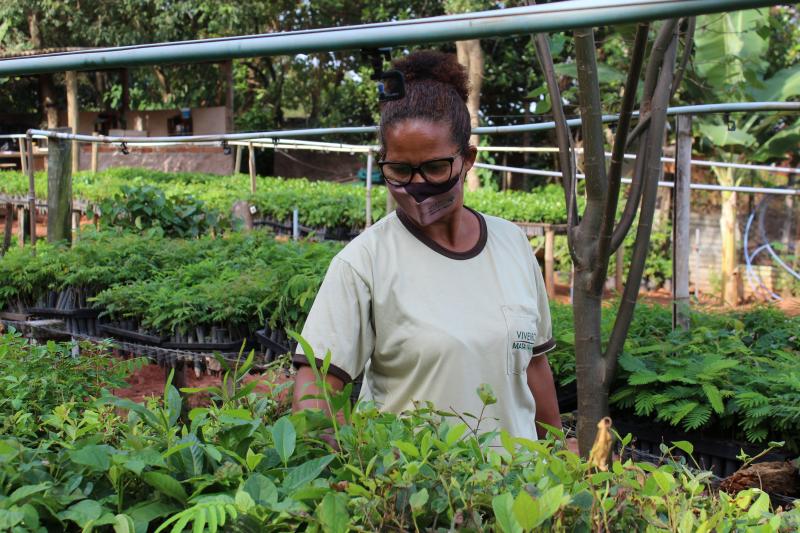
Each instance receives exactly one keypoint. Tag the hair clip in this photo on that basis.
(397, 83)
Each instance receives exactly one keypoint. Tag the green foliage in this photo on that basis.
(734, 374)
(36, 378)
(229, 467)
(236, 282)
(144, 207)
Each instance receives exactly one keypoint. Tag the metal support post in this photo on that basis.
(31, 193)
(8, 231)
(21, 226)
(368, 214)
(23, 161)
(549, 262)
(680, 223)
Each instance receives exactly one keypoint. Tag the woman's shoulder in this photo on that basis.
(502, 227)
(361, 250)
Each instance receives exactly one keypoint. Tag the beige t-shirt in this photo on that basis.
(433, 324)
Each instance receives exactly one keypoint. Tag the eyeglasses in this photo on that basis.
(433, 171)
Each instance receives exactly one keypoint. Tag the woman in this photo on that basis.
(435, 299)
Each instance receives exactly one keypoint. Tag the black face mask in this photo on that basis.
(421, 191)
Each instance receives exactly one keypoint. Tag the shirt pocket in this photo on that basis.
(521, 336)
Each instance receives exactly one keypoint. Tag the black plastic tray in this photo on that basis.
(716, 455)
(269, 344)
(233, 346)
(131, 335)
(79, 312)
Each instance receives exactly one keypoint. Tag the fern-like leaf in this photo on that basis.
(714, 397)
(697, 418)
(212, 511)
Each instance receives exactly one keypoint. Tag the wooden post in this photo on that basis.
(251, 160)
(21, 226)
(680, 223)
(31, 195)
(619, 267)
(59, 189)
(549, 262)
(95, 149)
(368, 214)
(23, 160)
(72, 114)
(238, 163)
(8, 230)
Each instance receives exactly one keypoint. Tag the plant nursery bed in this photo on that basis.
(714, 454)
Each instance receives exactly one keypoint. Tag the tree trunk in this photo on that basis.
(727, 225)
(48, 100)
(163, 82)
(470, 55)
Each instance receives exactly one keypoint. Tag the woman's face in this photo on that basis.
(414, 141)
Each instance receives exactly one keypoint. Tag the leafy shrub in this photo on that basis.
(733, 374)
(242, 464)
(144, 207)
(37, 378)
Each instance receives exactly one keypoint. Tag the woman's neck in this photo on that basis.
(457, 232)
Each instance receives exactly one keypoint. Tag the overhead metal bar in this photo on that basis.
(310, 132)
(538, 18)
(667, 184)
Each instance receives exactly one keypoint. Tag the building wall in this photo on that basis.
(207, 159)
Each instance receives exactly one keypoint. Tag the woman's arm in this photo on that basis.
(543, 388)
(305, 384)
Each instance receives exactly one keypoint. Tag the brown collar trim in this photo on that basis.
(438, 248)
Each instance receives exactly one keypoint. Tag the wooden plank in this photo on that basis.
(59, 190)
(251, 160)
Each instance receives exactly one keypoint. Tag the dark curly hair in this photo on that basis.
(436, 90)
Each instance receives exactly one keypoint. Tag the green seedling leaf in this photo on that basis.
(526, 511)
(166, 484)
(502, 506)
(332, 513)
(486, 394)
(418, 500)
(305, 473)
(284, 437)
(455, 433)
(83, 513)
(96, 457)
(406, 447)
(684, 446)
(261, 489)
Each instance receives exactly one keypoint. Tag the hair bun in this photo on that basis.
(424, 65)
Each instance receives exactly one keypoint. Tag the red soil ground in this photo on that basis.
(149, 382)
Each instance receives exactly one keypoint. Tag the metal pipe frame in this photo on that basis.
(310, 132)
(667, 184)
(540, 18)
